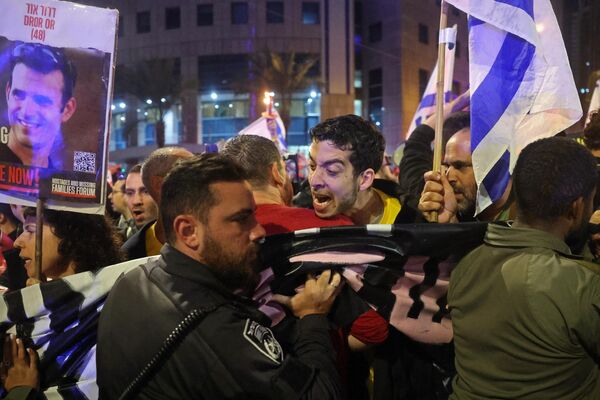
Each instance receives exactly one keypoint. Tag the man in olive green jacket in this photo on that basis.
(525, 311)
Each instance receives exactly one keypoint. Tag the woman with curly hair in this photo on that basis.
(71, 243)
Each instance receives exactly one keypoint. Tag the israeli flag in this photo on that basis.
(270, 127)
(427, 104)
(522, 87)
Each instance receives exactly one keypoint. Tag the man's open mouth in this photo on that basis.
(321, 201)
(137, 214)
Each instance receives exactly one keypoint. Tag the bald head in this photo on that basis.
(158, 164)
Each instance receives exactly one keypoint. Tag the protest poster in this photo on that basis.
(56, 74)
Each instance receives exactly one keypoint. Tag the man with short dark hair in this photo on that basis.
(39, 96)
(118, 202)
(150, 238)
(271, 186)
(272, 192)
(225, 349)
(525, 310)
(345, 154)
(142, 206)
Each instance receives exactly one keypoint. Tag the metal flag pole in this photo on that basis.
(439, 95)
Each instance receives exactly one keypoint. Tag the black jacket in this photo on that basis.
(230, 354)
(416, 160)
(135, 246)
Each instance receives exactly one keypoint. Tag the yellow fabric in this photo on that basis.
(152, 244)
(391, 208)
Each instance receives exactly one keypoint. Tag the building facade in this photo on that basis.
(211, 45)
(398, 52)
(581, 31)
(374, 59)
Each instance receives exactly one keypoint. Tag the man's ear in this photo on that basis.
(576, 210)
(188, 231)
(69, 109)
(7, 91)
(156, 183)
(366, 179)
(276, 174)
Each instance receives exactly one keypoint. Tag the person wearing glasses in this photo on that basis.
(39, 97)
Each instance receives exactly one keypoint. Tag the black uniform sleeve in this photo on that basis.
(246, 360)
(417, 159)
(312, 373)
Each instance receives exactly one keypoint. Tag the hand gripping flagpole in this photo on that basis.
(39, 230)
(439, 95)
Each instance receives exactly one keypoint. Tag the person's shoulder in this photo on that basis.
(295, 218)
(312, 220)
(387, 187)
(135, 246)
(587, 271)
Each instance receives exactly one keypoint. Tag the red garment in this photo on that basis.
(276, 218)
(6, 243)
(370, 327)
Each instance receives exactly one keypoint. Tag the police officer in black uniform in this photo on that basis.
(180, 327)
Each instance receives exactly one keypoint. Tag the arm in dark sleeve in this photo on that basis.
(312, 371)
(417, 159)
(22, 393)
(249, 356)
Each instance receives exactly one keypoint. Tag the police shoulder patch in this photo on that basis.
(263, 340)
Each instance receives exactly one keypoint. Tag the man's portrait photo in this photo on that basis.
(39, 97)
(55, 102)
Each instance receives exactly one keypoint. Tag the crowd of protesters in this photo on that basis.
(525, 305)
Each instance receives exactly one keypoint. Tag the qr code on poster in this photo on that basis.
(84, 162)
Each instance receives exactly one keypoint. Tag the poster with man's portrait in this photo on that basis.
(56, 67)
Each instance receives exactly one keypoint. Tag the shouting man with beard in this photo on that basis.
(194, 296)
(525, 310)
(345, 154)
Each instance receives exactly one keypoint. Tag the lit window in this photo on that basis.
(310, 13)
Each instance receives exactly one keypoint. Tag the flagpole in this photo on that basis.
(439, 95)
(39, 231)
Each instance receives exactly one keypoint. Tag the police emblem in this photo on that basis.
(263, 340)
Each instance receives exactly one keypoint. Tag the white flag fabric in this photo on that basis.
(522, 87)
(59, 319)
(595, 102)
(270, 127)
(427, 104)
